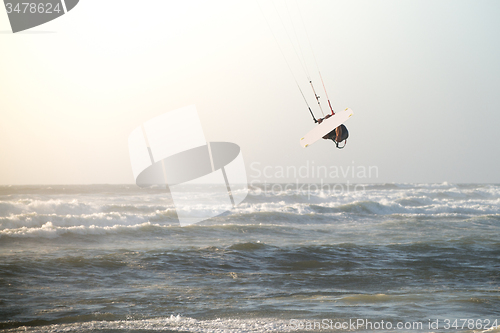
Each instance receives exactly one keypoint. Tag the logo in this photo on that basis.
(26, 14)
(205, 179)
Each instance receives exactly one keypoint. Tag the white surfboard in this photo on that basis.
(326, 127)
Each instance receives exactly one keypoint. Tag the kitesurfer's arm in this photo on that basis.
(320, 120)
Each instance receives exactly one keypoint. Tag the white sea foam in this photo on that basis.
(48, 230)
(172, 323)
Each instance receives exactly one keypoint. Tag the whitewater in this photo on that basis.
(113, 258)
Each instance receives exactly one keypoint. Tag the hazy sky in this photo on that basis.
(422, 78)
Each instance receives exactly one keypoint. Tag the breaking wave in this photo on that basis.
(23, 215)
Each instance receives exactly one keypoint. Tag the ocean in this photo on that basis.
(290, 258)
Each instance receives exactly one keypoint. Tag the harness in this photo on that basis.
(337, 144)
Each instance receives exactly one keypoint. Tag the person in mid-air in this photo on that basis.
(338, 135)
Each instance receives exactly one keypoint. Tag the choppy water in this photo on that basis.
(112, 258)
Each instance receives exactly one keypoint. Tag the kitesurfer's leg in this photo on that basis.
(338, 136)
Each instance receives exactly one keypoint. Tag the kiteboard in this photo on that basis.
(326, 127)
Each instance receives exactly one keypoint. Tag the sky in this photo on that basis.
(422, 78)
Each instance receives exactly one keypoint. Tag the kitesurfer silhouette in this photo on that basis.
(338, 135)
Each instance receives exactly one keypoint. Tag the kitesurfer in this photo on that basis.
(338, 135)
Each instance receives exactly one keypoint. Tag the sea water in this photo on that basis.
(113, 258)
